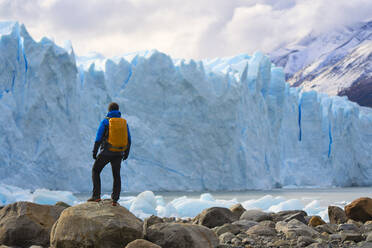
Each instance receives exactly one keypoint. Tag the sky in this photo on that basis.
(181, 28)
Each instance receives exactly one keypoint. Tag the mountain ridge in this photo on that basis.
(313, 65)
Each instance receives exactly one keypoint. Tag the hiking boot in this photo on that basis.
(94, 199)
(114, 203)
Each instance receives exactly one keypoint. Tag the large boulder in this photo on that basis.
(141, 243)
(178, 235)
(94, 224)
(360, 209)
(215, 216)
(25, 223)
(336, 215)
(255, 215)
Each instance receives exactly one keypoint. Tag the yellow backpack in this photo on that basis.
(117, 135)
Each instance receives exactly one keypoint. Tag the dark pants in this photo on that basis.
(101, 161)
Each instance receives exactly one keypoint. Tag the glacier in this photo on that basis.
(221, 124)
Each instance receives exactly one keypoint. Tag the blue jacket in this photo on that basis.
(105, 123)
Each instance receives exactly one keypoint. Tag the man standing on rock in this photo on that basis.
(114, 141)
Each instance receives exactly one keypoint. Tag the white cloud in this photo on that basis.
(190, 29)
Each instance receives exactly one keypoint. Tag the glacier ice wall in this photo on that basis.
(223, 124)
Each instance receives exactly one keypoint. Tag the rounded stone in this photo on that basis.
(336, 215)
(141, 243)
(360, 209)
(255, 215)
(179, 235)
(316, 221)
(94, 224)
(25, 223)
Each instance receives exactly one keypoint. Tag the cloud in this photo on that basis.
(189, 29)
(265, 26)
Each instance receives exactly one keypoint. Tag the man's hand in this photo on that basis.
(95, 150)
(126, 154)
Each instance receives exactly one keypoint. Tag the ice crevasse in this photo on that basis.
(222, 124)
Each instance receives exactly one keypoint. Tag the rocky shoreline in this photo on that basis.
(26, 224)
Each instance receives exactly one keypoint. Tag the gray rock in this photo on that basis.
(226, 238)
(364, 244)
(24, 223)
(357, 223)
(334, 243)
(318, 245)
(245, 224)
(178, 235)
(369, 237)
(94, 224)
(236, 242)
(62, 204)
(328, 228)
(235, 229)
(298, 216)
(295, 228)
(216, 216)
(141, 243)
(169, 219)
(242, 236)
(367, 227)
(349, 244)
(237, 210)
(262, 230)
(307, 219)
(255, 215)
(267, 223)
(281, 243)
(351, 236)
(335, 236)
(304, 241)
(282, 215)
(224, 246)
(348, 227)
(152, 220)
(336, 215)
(248, 241)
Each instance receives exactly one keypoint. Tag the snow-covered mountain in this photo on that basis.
(336, 63)
(223, 124)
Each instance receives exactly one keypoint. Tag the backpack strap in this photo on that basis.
(105, 134)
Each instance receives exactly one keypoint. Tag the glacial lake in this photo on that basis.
(325, 196)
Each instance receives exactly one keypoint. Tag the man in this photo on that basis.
(113, 139)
